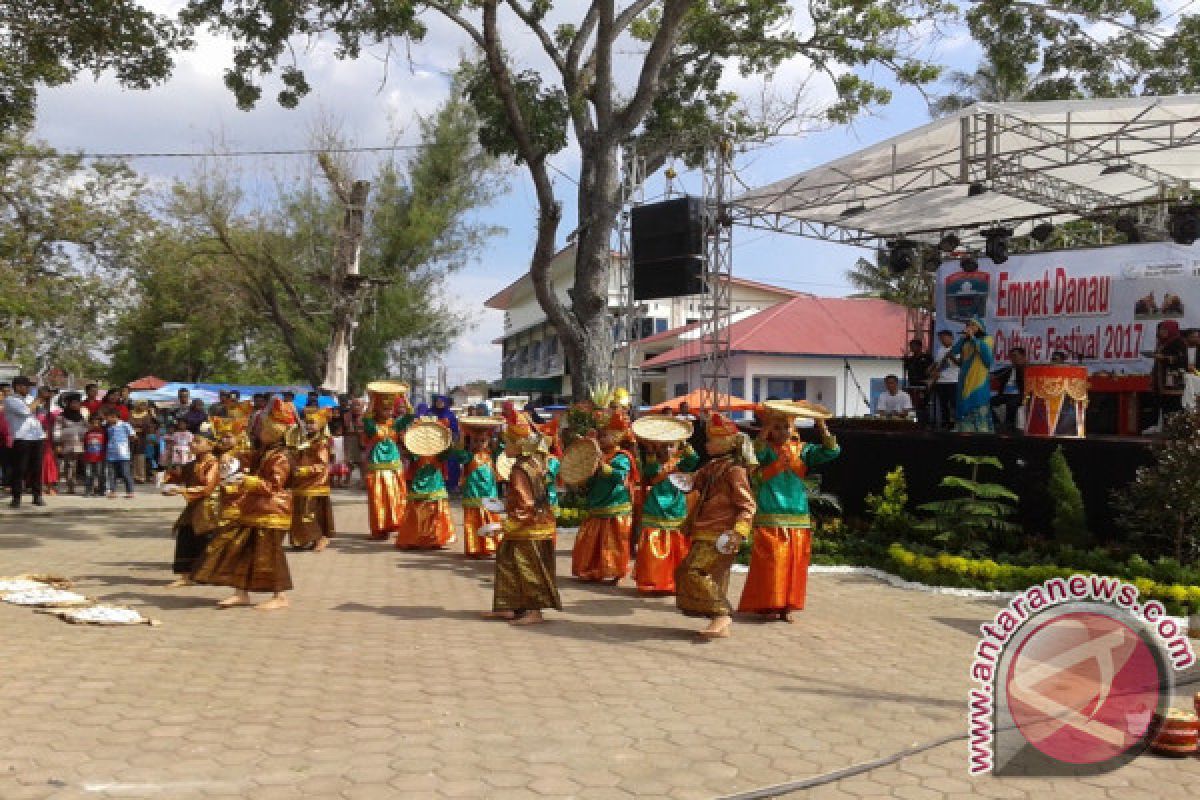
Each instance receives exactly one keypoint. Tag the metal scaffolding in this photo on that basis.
(627, 373)
(718, 269)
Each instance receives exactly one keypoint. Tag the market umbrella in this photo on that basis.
(148, 383)
(702, 398)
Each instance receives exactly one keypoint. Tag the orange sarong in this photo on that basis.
(478, 546)
(659, 554)
(778, 579)
(426, 525)
(386, 495)
(601, 550)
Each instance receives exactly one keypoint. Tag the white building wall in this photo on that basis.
(824, 378)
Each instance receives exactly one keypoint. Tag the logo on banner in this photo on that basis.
(967, 295)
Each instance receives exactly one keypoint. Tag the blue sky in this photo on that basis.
(194, 110)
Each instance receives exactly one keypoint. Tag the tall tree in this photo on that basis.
(67, 229)
(649, 73)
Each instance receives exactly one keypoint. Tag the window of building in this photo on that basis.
(737, 387)
(536, 351)
(523, 355)
(681, 389)
(552, 346)
(661, 324)
(786, 388)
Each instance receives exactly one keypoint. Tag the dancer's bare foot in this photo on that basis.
(239, 599)
(321, 544)
(179, 583)
(528, 618)
(719, 628)
(508, 615)
(786, 616)
(278, 601)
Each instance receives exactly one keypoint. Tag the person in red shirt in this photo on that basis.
(95, 442)
(91, 400)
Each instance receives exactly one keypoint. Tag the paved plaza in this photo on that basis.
(382, 682)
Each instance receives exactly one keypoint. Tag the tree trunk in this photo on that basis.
(346, 287)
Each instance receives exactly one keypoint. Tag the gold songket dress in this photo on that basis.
(312, 509)
(199, 481)
(525, 567)
(725, 503)
(248, 554)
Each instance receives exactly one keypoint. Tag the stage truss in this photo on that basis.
(1011, 165)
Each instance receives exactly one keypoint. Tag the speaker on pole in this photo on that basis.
(668, 248)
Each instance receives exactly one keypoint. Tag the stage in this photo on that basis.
(1099, 464)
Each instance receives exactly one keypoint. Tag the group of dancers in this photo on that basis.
(680, 516)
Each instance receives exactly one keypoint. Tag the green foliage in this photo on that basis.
(911, 288)
(569, 517)
(68, 231)
(1070, 518)
(50, 43)
(979, 516)
(544, 109)
(888, 511)
(1160, 509)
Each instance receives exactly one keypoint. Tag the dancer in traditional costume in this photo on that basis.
(601, 550)
(661, 544)
(383, 428)
(552, 448)
(197, 482)
(427, 524)
(235, 458)
(312, 509)
(479, 485)
(248, 555)
(781, 547)
(525, 580)
(720, 519)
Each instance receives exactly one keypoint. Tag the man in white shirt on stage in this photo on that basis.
(893, 402)
(945, 388)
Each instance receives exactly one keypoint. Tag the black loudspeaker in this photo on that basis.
(671, 277)
(668, 248)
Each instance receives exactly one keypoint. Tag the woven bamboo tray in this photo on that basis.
(663, 430)
(798, 408)
(579, 462)
(427, 438)
(481, 423)
(387, 387)
(95, 615)
(504, 465)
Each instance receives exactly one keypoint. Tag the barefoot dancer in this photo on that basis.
(427, 524)
(717, 524)
(601, 551)
(479, 486)
(384, 477)
(525, 582)
(196, 482)
(661, 544)
(248, 555)
(312, 515)
(782, 543)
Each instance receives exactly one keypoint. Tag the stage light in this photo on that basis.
(949, 243)
(976, 189)
(902, 255)
(1113, 169)
(995, 244)
(968, 264)
(1041, 232)
(852, 210)
(1128, 225)
(1184, 225)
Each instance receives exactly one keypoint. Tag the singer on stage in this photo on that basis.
(974, 348)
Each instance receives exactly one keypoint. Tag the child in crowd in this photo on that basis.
(151, 445)
(119, 453)
(180, 448)
(94, 445)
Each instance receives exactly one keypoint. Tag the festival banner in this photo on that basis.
(1101, 306)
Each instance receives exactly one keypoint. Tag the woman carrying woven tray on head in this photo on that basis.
(661, 543)
(479, 484)
(427, 524)
(782, 539)
(601, 551)
(248, 555)
(387, 419)
(720, 519)
(197, 482)
(312, 512)
(525, 579)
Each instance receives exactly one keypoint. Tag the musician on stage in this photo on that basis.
(1011, 396)
(943, 380)
(918, 365)
(893, 402)
(719, 521)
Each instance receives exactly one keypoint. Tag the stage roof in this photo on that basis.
(1027, 161)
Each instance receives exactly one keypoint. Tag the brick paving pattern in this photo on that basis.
(382, 682)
